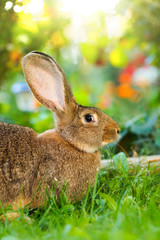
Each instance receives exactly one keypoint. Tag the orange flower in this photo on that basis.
(124, 78)
(125, 91)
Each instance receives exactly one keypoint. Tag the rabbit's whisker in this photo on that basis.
(122, 149)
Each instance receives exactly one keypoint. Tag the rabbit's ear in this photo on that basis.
(47, 81)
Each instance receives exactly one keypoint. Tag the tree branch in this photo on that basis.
(143, 161)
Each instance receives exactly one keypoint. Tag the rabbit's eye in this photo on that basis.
(88, 118)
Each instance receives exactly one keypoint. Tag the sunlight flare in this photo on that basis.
(87, 7)
(35, 7)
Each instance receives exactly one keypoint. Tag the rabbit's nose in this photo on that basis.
(118, 130)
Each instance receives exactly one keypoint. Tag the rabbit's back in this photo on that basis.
(18, 160)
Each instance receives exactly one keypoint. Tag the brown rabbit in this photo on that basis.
(31, 163)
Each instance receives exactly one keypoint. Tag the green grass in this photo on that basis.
(120, 206)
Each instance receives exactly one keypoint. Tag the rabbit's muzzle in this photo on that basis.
(111, 133)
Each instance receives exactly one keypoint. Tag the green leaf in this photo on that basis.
(156, 135)
(128, 201)
(120, 161)
(145, 129)
(109, 200)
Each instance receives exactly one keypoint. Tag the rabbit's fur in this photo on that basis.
(68, 155)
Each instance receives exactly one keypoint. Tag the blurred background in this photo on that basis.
(109, 51)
